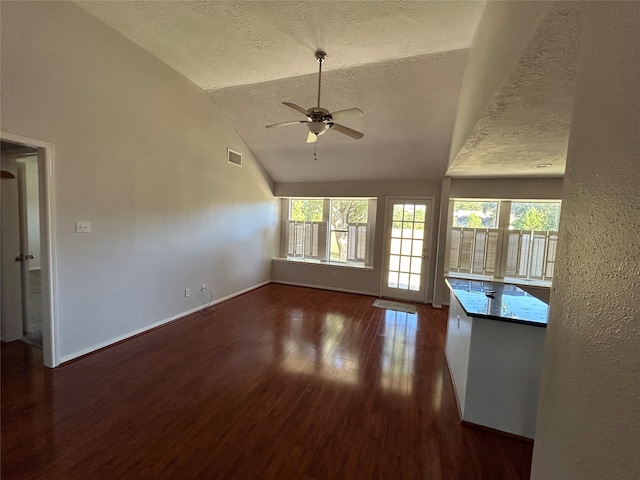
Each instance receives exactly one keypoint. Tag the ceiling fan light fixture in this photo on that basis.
(319, 119)
(318, 128)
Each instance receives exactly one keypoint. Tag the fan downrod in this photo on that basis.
(320, 56)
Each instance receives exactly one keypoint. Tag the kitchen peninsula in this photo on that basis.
(494, 347)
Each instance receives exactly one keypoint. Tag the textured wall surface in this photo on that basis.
(589, 413)
(141, 153)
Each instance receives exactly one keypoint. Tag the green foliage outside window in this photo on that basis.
(306, 210)
(474, 221)
(474, 214)
(535, 215)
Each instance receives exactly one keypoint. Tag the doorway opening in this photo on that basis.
(26, 281)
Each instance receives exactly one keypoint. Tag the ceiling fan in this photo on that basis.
(319, 120)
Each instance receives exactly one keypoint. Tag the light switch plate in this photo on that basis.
(83, 227)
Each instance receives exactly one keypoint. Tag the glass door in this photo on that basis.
(407, 243)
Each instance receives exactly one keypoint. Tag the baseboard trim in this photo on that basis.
(333, 289)
(153, 326)
(514, 436)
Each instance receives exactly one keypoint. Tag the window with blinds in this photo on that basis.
(523, 247)
(529, 254)
(339, 231)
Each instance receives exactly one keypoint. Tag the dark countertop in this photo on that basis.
(509, 303)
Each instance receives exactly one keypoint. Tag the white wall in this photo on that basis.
(589, 413)
(141, 153)
(356, 279)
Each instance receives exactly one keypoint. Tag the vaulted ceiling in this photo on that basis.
(401, 63)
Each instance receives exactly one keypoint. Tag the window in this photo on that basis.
(534, 216)
(331, 230)
(475, 214)
(504, 239)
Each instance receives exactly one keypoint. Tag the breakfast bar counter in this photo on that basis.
(494, 347)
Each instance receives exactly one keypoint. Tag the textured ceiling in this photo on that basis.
(408, 104)
(401, 62)
(223, 44)
(528, 122)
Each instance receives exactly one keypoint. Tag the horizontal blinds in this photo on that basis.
(529, 254)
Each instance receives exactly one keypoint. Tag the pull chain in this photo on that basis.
(315, 151)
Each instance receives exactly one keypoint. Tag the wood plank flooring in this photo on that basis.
(280, 383)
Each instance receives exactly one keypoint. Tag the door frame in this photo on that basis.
(388, 222)
(50, 350)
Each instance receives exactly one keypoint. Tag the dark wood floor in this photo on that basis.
(280, 383)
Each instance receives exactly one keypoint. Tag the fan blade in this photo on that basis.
(296, 107)
(344, 114)
(346, 130)
(285, 123)
(312, 138)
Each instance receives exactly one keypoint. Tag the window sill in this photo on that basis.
(324, 264)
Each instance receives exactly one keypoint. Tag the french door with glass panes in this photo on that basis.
(407, 241)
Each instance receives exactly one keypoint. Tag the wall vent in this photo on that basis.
(234, 157)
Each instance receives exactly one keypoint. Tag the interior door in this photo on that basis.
(406, 248)
(11, 285)
(29, 214)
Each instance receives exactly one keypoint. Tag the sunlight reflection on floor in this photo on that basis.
(399, 351)
(322, 348)
(329, 349)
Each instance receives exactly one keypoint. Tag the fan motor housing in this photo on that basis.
(318, 114)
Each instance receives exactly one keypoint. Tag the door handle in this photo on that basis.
(30, 257)
(22, 258)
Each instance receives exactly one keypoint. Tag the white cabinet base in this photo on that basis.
(495, 367)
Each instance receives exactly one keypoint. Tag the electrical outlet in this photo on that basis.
(203, 287)
(83, 227)
(187, 292)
